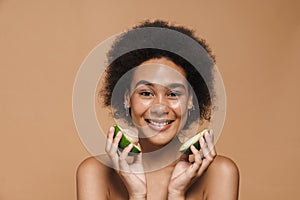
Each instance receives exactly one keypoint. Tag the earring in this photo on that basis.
(189, 110)
(126, 110)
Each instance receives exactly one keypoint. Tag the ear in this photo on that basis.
(190, 102)
(127, 98)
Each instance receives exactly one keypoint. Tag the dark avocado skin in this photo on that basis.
(189, 151)
(124, 142)
(196, 144)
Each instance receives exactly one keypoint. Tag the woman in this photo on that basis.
(162, 95)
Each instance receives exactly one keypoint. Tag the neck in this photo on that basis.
(156, 157)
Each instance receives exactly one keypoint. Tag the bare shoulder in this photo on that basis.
(91, 164)
(92, 179)
(222, 179)
(223, 166)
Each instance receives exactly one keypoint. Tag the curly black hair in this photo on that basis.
(121, 63)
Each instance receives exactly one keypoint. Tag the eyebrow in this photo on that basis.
(171, 86)
(143, 82)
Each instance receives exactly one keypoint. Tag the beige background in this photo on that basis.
(43, 43)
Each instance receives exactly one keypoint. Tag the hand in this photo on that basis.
(186, 173)
(132, 173)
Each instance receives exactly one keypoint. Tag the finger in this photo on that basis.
(114, 157)
(193, 169)
(198, 158)
(109, 139)
(124, 167)
(205, 150)
(210, 142)
(212, 135)
(115, 143)
(138, 158)
(197, 155)
(207, 157)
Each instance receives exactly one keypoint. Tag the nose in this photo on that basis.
(158, 110)
(159, 107)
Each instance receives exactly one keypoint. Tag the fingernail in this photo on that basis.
(192, 146)
(207, 134)
(202, 139)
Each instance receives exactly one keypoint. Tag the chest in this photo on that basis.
(157, 187)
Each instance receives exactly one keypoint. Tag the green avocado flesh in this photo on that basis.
(185, 147)
(124, 142)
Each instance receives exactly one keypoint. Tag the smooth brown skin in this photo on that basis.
(207, 177)
(96, 181)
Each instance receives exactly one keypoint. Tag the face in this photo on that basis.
(159, 99)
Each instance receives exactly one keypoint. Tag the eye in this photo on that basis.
(174, 94)
(146, 93)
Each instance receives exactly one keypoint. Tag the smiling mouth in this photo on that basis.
(159, 123)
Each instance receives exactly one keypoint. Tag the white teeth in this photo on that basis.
(158, 124)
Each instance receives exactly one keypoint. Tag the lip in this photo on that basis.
(159, 124)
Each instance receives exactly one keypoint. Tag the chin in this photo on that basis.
(161, 139)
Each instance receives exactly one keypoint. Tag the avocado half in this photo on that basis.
(185, 147)
(125, 141)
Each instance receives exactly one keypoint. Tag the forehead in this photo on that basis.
(159, 71)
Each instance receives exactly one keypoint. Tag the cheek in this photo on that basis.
(140, 106)
(179, 107)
